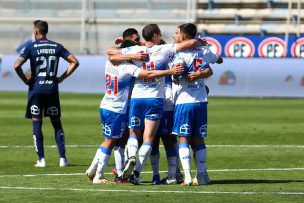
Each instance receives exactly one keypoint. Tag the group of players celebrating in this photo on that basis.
(153, 90)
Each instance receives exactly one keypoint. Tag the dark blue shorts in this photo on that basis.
(166, 124)
(46, 104)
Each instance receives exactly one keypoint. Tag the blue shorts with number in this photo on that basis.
(39, 104)
(144, 108)
(190, 120)
(166, 124)
(113, 124)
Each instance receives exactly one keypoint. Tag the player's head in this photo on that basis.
(41, 28)
(128, 43)
(152, 33)
(185, 32)
(131, 34)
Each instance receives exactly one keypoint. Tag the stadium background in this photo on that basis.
(261, 40)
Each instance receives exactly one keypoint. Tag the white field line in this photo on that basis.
(150, 172)
(152, 191)
(211, 146)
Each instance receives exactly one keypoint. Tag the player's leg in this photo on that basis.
(34, 111)
(52, 110)
(113, 125)
(199, 143)
(179, 175)
(171, 152)
(104, 156)
(183, 128)
(153, 112)
(154, 158)
(136, 125)
(151, 127)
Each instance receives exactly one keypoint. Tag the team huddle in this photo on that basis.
(153, 90)
(144, 104)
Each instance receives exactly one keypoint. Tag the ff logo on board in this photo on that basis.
(297, 48)
(214, 45)
(239, 47)
(272, 47)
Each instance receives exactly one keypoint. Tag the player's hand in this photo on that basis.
(118, 40)
(29, 81)
(193, 76)
(178, 69)
(141, 56)
(59, 80)
(202, 41)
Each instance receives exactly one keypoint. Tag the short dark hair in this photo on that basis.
(129, 32)
(149, 31)
(128, 43)
(42, 26)
(189, 30)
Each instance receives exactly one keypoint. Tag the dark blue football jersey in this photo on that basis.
(44, 57)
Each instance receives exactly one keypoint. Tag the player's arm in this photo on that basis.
(116, 56)
(192, 76)
(188, 44)
(176, 70)
(74, 63)
(18, 68)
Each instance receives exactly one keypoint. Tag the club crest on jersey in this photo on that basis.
(135, 121)
(53, 111)
(106, 130)
(185, 129)
(35, 110)
(203, 130)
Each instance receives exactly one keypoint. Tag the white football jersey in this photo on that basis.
(196, 59)
(168, 101)
(119, 80)
(159, 56)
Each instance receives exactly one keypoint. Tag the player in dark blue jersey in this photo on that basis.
(43, 96)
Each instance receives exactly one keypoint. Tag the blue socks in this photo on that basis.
(59, 137)
(38, 138)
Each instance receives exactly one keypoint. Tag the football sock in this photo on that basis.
(175, 144)
(103, 159)
(201, 154)
(132, 145)
(95, 159)
(59, 136)
(185, 157)
(118, 155)
(154, 157)
(171, 157)
(143, 154)
(38, 138)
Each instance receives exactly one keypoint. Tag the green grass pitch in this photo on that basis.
(255, 154)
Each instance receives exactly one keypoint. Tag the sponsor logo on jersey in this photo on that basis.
(272, 47)
(240, 47)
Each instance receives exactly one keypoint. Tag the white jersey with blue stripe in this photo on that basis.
(168, 101)
(194, 60)
(159, 56)
(119, 80)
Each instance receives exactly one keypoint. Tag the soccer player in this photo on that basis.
(119, 149)
(113, 108)
(43, 96)
(190, 113)
(146, 106)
